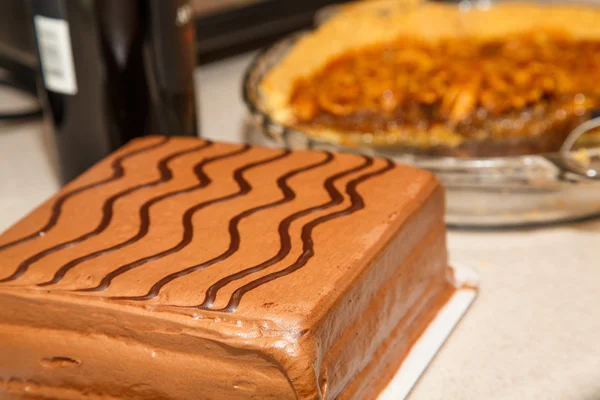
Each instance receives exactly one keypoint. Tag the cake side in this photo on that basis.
(405, 286)
(399, 284)
(425, 294)
(54, 347)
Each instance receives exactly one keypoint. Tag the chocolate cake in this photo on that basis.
(186, 269)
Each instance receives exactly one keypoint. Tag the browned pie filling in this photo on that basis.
(525, 85)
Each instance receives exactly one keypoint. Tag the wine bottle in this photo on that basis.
(113, 70)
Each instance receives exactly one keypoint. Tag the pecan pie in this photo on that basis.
(514, 79)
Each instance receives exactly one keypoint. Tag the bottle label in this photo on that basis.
(56, 54)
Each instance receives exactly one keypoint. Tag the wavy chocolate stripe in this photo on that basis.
(234, 234)
(188, 227)
(285, 240)
(118, 173)
(357, 203)
(203, 181)
(107, 212)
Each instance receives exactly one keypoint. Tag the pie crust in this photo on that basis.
(537, 118)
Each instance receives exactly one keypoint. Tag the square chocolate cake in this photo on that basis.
(179, 268)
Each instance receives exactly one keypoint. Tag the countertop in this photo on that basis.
(534, 330)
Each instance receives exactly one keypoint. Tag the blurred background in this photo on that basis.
(139, 67)
(223, 28)
(133, 65)
(79, 78)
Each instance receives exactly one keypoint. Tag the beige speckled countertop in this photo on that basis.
(534, 331)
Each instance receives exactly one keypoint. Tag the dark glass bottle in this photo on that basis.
(113, 70)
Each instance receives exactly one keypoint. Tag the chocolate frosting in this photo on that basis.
(226, 270)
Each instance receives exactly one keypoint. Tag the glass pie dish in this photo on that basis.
(491, 191)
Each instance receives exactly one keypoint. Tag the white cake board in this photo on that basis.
(434, 336)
